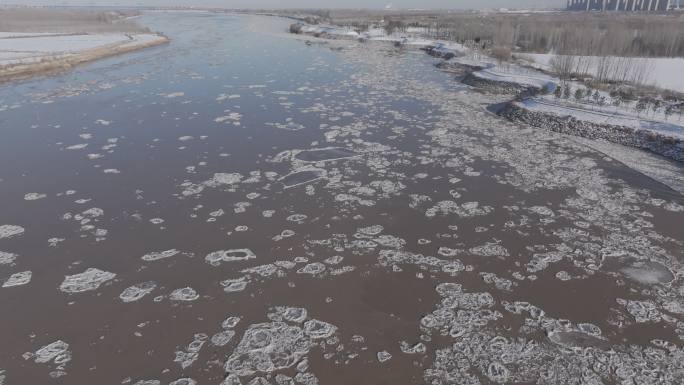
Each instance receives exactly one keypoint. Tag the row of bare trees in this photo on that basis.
(641, 35)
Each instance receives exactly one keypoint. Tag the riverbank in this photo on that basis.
(43, 41)
(38, 58)
(575, 109)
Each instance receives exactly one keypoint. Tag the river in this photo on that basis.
(244, 206)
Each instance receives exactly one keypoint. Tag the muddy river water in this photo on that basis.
(240, 207)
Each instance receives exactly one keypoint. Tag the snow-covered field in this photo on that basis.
(23, 48)
(666, 73)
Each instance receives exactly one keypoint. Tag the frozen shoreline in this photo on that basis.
(26, 55)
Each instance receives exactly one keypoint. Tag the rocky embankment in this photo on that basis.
(499, 87)
(668, 146)
(660, 144)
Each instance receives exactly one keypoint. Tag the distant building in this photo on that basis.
(622, 5)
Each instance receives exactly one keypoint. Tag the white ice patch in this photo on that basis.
(7, 258)
(288, 313)
(490, 250)
(225, 179)
(79, 146)
(191, 353)
(222, 338)
(268, 347)
(234, 285)
(18, 279)
(184, 381)
(34, 196)
(56, 353)
(136, 292)
(157, 255)
(8, 231)
(184, 294)
(384, 356)
(217, 257)
(90, 279)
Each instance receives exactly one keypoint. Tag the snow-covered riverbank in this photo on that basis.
(27, 54)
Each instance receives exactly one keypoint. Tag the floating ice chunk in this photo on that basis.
(299, 218)
(57, 352)
(268, 213)
(541, 210)
(90, 279)
(222, 338)
(233, 116)
(184, 294)
(174, 95)
(34, 196)
(157, 255)
(234, 285)
(186, 138)
(217, 257)
(287, 313)
(148, 382)
(191, 353)
(642, 311)
(268, 347)
(418, 348)
(233, 379)
(225, 179)
(325, 154)
(184, 381)
(192, 189)
(93, 212)
(318, 329)
(8, 231)
(578, 339)
(498, 372)
(312, 268)
(18, 279)
(466, 210)
(230, 322)
(384, 356)
(647, 272)
(7, 258)
(79, 146)
(448, 252)
(301, 177)
(371, 230)
(111, 171)
(334, 260)
(306, 378)
(490, 250)
(136, 292)
(563, 275)
(390, 241)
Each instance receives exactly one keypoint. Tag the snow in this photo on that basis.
(518, 75)
(18, 48)
(666, 73)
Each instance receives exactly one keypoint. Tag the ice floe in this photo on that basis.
(90, 279)
(18, 279)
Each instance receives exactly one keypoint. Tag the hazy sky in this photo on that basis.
(443, 4)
